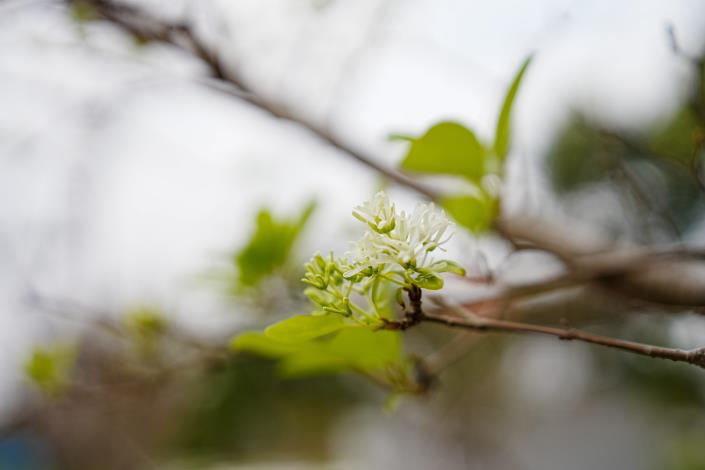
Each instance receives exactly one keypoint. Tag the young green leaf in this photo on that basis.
(472, 212)
(429, 280)
(447, 266)
(305, 327)
(501, 142)
(269, 247)
(258, 343)
(351, 349)
(447, 148)
(357, 349)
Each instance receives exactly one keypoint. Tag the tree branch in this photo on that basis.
(666, 275)
(146, 27)
(482, 324)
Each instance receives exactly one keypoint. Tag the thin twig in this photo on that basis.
(482, 324)
(642, 197)
(676, 47)
(451, 352)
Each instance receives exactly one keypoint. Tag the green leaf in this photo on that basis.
(447, 148)
(305, 327)
(367, 349)
(269, 246)
(447, 266)
(312, 362)
(429, 281)
(580, 156)
(145, 323)
(675, 138)
(502, 133)
(257, 343)
(354, 348)
(359, 349)
(476, 213)
(49, 368)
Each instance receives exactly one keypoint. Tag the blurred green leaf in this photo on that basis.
(312, 362)
(502, 134)
(675, 138)
(358, 349)
(447, 148)
(580, 155)
(476, 213)
(146, 326)
(258, 343)
(145, 322)
(83, 11)
(247, 411)
(585, 153)
(355, 348)
(305, 327)
(269, 247)
(49, 368)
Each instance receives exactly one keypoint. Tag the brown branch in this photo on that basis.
(146, 27)
(470, 321)
(412, 315)
(481, 324)
(662, 275)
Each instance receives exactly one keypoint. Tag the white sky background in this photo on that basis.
(123, 178)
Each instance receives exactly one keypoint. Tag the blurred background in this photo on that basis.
(150, 212)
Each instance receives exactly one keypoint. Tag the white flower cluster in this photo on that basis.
(394, 250)
(397, 238)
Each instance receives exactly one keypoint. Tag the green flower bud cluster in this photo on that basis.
(325, 278)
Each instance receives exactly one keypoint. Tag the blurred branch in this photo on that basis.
(642, 198)
(451, 352)
(70, 310)
(664, 275)
(698, 62)
(678, 50)
(146, 27)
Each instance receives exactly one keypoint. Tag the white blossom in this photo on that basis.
(395, 249)
(403, 239)
(379, 214)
